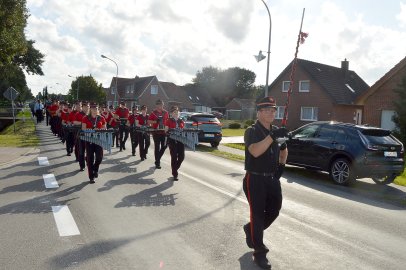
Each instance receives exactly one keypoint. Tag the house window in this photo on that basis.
(132, 88)
(112, 90)
(309, 113)
(154, 89)
(304, 86)
(279, 112)
(127, 89)
(285, 86)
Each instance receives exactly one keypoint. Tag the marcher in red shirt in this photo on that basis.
(144, 139)
(122, 113)
(157, 119)
(176, 148)
(80, 145)
(113, 123)
(131, 123)
(94, 152)
(52, 109)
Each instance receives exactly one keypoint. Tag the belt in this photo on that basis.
(261, 174)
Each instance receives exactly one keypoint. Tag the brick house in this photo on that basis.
(320, 93)
(378, 100)
(241, 109)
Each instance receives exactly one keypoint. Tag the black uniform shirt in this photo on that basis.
(268, 161)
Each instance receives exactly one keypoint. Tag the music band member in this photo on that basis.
(176, 148)
(68, 133)
(264, 164)
(94, 152)
(144, 139)
(131, 123)
(122, 114)
(80, 145)
(157, 120)
(52, 109)
(113, 123)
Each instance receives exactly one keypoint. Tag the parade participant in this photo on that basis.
(94, 152)
(72, 117)
(52, 112)
(176, 148)
(157, 120)
(264, 164)
(80, 145)
(47, 115)
(58, 125)
(144, 139)
(122, 114)
(68, 134)
(105, 112)
(113, 123)
(38, 109)
(132, 119)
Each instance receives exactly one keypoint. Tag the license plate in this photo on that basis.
(390, 154)
(209, 135)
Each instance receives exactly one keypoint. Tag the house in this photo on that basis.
(241, 109)
(320, 93)
(378, 100)
(146, 90)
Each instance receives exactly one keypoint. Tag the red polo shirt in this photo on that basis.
(143, 120)
(171, 123)
(132, 118)
(53, 108)
(72, 116)
(156, 114)
(90, 122)
(122, 112)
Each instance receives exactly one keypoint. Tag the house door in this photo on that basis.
(386, 120)
(358, 117)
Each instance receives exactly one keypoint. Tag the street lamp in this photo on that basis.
(77, 92)
(260, 56)
(115, 92)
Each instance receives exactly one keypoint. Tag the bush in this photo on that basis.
(249, 122)
(234, 125)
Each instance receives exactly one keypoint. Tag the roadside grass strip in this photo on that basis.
(64, 221)
(24, 136)
(50, 181)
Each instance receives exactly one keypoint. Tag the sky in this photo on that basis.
(174, 39)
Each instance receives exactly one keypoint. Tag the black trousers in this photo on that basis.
(39, 115)
(144, 141)
(177, 150)
(94, 157)
(47, 116)
(264, 196)
(123, 131)
(53, 122)
(115, 137)
(134, 140)
(80, 147)
(160, 147)
(70, 142)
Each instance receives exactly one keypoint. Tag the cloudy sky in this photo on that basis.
(173, 39)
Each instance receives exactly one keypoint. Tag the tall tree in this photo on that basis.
(89, 89)
(400, 109)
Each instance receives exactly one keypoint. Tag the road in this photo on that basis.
(135, 218)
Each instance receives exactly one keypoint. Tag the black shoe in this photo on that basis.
(96, 174)
(133, 154)
(142, 159)
(123, 147)
(68, 154)
(117, 146)
(175, 178)
(157, 166)
(82, 169)
(248, 238)
(262, 262)
(92, 181)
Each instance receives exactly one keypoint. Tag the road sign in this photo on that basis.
(11, 93)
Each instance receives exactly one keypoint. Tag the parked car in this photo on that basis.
(347, 151)
(217, 114)
(208, 124)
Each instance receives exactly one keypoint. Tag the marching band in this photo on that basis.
(88, 131)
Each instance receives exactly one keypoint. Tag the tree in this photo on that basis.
(89, 90)
(400, 111)
(30, 60)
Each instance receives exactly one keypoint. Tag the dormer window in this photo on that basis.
(304, 86)
(154, 89)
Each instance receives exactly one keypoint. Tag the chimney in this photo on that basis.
(344, 67)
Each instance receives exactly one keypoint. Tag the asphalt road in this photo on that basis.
(135, 218)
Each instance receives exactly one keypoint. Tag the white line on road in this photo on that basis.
(43, 161)
(64, 221)
(50, 181)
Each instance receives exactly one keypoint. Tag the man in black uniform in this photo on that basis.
(264, 163)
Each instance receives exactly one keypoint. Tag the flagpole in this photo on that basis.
(300, 39)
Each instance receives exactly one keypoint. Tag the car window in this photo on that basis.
(211, 119)
(341, 136)
(307, 132)
(327, 132)
(378, 136)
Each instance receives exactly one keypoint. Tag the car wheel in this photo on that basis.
(341, 172)
(386, 180)
(214, 144)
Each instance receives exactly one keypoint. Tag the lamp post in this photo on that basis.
(261, 56)
(115, 91)
(77, 92)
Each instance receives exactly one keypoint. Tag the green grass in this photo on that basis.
(239, 146)
(24, 137)
(227, 132)
(401, 179)
(25, 113)
(216, 152)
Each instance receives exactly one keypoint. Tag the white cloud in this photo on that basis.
(401, 17)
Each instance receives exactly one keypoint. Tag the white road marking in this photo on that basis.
(43, 161)
(50, 181)
(64, 221)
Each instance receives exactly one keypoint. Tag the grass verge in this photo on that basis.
(23, 137)
(401, 179)
(239, 146)
(228, 132)
(216, 152)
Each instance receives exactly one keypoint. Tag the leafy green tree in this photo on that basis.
(89, 90)
(400, 109)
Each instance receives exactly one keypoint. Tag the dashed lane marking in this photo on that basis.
(43, 161)
(50, 181)
(64, 221)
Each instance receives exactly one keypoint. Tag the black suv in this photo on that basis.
(208, 124)
(347, 151)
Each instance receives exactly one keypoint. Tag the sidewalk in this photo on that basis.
(13, 155)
